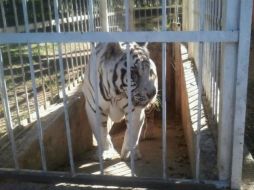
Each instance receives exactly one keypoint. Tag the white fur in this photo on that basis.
(115, 109)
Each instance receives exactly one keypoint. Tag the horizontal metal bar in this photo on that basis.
(164, 36)
(158, 183)
(21, 28)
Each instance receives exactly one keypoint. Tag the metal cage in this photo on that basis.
(62, 34)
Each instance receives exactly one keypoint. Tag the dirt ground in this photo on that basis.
(151, 149)
(149, 166)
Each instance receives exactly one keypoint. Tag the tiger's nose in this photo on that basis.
(151, 94)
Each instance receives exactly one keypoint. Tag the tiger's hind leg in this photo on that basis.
(100, 131)
(132, 135)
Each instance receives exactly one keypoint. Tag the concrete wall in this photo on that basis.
(186, 93)
(55, 140)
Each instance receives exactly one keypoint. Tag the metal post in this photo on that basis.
(104, 16)
(241, 92)
(66, 114)
(227, 84)
(78, 18)
(200, 89)
(164, 102)
(129, 124)
(65, 48)
(95, 79)
(69, 45)
(39, 125)
(7, 112)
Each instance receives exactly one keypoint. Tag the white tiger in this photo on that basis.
(110, 65)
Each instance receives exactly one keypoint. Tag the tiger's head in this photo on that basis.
(144, 80)
(144, 74)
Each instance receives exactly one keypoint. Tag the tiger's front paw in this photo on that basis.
(109, 154)
(126, 155)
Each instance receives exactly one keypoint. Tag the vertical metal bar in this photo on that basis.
(200, 90)
(53, 46)
(14, 84)
(176, 11)
(139, 14)
(77, 16)
(81, 15)
(80, 62)
(67, 14)
(66, 114)
(15, 14)
(40, 64)
(209, 63)
(92, 14)
(241, 92)
(83, 29)
(115, 18)
(227, 87)
(43, 16)
(49, 73)
(75, 64)
(104, 16)
(215, 7)
(91, 17)
(62, 19)
(25, 85)
(50, 16)
(85, 16)
(157, 14)
(72, 17)
(84, 8)
(42, 77)
(39, 125)
(78, 45)
(127, 29)
(97, 17)
(164, 102)
(110, 12)
(212, 57)
(95, 78)
(3, 15)
(218, 48)
(69, 45)
(65, 48)
(34, 16)
(7, 112)
(46, 49)
(55, 68)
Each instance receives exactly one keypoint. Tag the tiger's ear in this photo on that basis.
(145, 45)
(112, 50)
